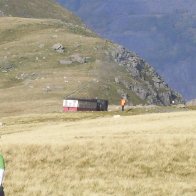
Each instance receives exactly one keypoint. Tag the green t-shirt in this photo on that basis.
(2, 163)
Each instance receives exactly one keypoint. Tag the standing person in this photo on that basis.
(2, 169)
(122, 103)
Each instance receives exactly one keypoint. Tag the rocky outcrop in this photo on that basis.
(146, 83)
(191, 103)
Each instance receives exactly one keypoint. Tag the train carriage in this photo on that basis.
(74, 104)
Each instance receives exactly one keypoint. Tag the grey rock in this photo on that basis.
(7, 67)
(47, 89)
(65, 62)
(116, 80)
(77, 58)
(58, 48)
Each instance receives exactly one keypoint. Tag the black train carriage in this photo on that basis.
(74, 104)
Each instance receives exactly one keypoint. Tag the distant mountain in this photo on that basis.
(46, 56)
(163, 32)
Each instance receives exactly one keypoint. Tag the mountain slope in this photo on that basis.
(163, 32)
(37, 9)
(44, 60)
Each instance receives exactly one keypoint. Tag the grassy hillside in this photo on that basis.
(150, 154)
(43, 60)
(35, 77)
(31, 75)
(37, 9)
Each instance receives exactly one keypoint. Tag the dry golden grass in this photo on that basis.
(151, 154)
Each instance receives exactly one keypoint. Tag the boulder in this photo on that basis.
(77, 58)
(65, 62)
(58, 48)
(7, 67)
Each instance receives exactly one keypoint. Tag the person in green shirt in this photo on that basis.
(2, 170)
(2, 163)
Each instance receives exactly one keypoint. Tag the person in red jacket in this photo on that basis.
(122, 103)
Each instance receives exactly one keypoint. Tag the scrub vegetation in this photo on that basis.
(100, 154)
